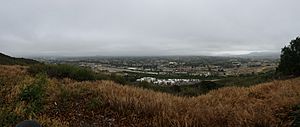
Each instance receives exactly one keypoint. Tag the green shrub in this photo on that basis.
(290, 59)
(64, 71)
(182, 90)
(34, 94)
(206, 86)
(118, 79)
(248, 80)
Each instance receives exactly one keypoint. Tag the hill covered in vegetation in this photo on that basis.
(8, 60)
(67, 102)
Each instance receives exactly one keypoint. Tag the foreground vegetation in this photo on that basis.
(66, 102)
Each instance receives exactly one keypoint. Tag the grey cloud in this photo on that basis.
(143, 27)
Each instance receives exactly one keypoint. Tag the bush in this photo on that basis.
(64, 71)
(207, 86)
(182, 90)
(247, 80)
(290, 59)
(34, 94)
(118, 79)
(73, 72)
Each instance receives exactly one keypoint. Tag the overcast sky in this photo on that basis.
(146, 27)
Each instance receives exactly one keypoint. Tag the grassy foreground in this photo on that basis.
(65, 102)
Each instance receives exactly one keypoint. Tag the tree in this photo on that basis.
(290, 59)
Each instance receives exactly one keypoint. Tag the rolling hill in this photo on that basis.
(8, 60)
(261, 55)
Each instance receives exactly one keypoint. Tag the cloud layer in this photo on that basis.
(146, 27)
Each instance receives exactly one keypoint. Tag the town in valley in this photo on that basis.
(172, 70)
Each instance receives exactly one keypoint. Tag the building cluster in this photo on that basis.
(168, 81)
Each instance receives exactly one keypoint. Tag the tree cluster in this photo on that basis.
(290, 59)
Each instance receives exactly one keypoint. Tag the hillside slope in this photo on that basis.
(65, 102)
(8, 60)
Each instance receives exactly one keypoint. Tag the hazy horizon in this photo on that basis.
(146, 28)
(243, 55)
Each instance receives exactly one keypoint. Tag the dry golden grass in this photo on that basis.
(254, 106)
(68, 102)
(7, 70)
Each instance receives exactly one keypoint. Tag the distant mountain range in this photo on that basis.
(270, 55)
(8, 60)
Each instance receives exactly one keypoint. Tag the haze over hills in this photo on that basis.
(254, 54)
(271, 55)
